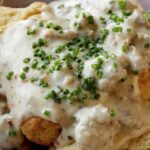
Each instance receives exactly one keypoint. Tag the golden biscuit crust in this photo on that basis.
(144, 85)
(140, 143)
(71, 147)
(41, 131)
(9, 15)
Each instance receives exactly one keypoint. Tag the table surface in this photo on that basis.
(23, 3)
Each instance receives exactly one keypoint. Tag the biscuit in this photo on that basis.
(40, 131)
(144, 85)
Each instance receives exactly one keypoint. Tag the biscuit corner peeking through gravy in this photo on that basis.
(41, 131)
(144, 85)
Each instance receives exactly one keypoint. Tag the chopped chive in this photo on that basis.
(115, 65)
(26, 60)
(26, 69)
(73, 118)
(146, 45)
(124, 48)
(95, 96)
(77, 15)
(75, 52)
(112, 113)
(99, 74)
(61, 6)
(77, 25)
(56, 66)
(84, 14)
(120, 20)
(83, 97)
(70, 138)
(146, 15)
(117, 29)
(31, 31)
(78, 6)
(60, 49)
(113, 16)
(127, 13)
(50, 25)
(41, 24)
(55, 27)
(90, 19)
(135, 72)
(112, 2)
(122, 4)
(12, 133)
(42, 42)
(116, 18)
(129, 30)
(47, 113)
(34, 45)
(78, 72)
(34, 64)
(54, 96)
(75, 92)
(9, 75)
(103, 35)
(88, 84)
(43, 83)
(34, 79)
(109, 12)
(23, 76)
(98, 65)
(105, 54)
(102, 20)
